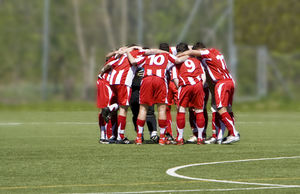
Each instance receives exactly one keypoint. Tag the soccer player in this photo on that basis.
(120, 81)
(135, 106)
(215, 64)
(104, 99)
(154, 86)
(191, 77)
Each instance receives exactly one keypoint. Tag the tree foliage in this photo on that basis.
(274, 23)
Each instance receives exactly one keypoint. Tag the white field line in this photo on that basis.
(10, 124)
(192, 190)
(172, 172)
(47, 123)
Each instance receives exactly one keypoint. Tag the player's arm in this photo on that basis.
(107, 66)
(110, 54)
(195, 53)
(131, 59)
(154, 51)
(127, 49)
(174, 76)
(203, 77)
(176, 82)
(181, 59)
(104, 69)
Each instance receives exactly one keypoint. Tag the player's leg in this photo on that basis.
(223, 96)
(169, 119)
(200, 124)
(169, 132)
(214, 123)
(206, 97)
(180, 123)
(152, 124)
(123, 93)
(162, 122)
(102, 127)
(104, 95)
(197, 101)
(192, 120)
(134, 106)
(113, 126)
(122, 124)
(141, 119)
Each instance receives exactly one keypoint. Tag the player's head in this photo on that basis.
(198, 45)
(164, 46)
(181, 47)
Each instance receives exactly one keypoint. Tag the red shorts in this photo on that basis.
(122, 94)
(191, 96)
(153, 91)
(104, 94)
(172, 93)
(224, 91)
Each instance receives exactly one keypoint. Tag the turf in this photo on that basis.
(58, 152)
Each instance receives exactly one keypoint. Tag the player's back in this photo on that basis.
(123, 72)
(157, 65)
(106, 75)
(189, 72)
(215, 63)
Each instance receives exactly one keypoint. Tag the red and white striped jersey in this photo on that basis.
(189, 72)
(156, 65)
(123, 72)
(213, 60)
(106, 75)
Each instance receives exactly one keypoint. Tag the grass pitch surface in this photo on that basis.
(58, 152)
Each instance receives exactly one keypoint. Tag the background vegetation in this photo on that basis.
(82, 32)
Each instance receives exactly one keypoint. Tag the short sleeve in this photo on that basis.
(171, 58)
(140, 59)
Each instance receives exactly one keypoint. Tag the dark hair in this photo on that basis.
(181, 47)
(164, 46)
(198, 45)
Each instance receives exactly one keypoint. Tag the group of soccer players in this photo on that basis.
(183, 75)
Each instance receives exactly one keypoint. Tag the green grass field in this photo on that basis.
(58, 152)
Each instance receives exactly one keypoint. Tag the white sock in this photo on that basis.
(103, 132)
(162, 131)
(180, 133)
(200, 132)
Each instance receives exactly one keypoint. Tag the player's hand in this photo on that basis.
(140, 73)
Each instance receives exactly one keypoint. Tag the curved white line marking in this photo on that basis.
(172, 172)
(190, 190)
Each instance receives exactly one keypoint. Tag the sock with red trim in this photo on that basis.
(162, 127)
(229, 123)
(200, 123)
(140, 127)
(180, 122)
(102, 127)
(121, 126)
